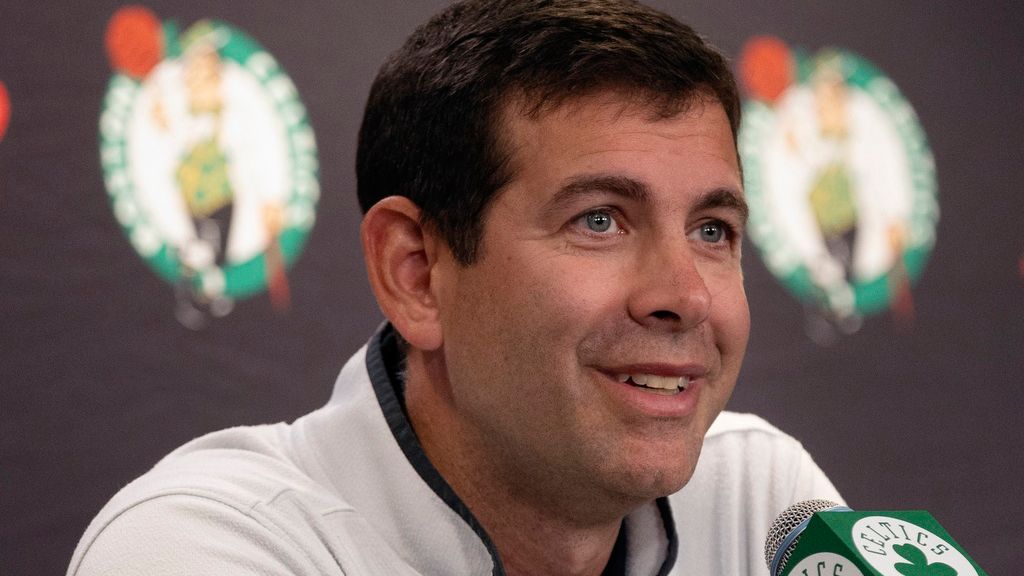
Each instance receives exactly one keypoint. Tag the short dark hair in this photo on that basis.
(432, 127)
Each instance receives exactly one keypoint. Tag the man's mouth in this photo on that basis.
(659, 384)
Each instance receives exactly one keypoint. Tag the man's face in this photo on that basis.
(612, 259)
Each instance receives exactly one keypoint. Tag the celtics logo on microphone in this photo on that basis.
(840, 181)
(208, 158)
(899, 548)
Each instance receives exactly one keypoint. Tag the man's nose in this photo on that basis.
(669, 290)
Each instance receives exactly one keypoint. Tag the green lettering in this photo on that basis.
(882, 536)
(881, 545)
(888, 527)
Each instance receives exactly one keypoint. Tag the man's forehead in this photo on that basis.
(521, 127)
(519, 113)
(544, 158)
(621, 100)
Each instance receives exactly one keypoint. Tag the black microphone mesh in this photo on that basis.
(787, 522)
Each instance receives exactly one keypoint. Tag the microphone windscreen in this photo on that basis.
(785, 531)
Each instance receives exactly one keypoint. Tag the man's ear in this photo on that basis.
(400, 254)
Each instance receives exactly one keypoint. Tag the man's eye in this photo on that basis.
(713, 232)
(600, 222)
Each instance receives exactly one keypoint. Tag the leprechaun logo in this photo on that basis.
(840, 181)
(209, 160)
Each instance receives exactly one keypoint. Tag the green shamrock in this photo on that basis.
(919, 565)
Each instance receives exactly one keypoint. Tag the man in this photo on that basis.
(554, 213)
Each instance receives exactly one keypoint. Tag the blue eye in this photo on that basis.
(599, 221)
(713, 232)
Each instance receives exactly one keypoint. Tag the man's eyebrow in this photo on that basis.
(638, 191)
(724, 198)
(590, 184)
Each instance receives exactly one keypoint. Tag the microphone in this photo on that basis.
(822, 538)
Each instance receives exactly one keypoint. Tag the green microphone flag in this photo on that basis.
(820, 538)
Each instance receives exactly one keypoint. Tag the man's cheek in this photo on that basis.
(723, 281)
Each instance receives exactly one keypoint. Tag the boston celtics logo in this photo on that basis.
(899, 548)
(209, 160)
(840, 181)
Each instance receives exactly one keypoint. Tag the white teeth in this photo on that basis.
(652, 381)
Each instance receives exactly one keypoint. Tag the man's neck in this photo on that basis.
(532, 543)
(531, 537)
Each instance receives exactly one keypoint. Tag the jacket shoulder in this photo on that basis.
(223, 503)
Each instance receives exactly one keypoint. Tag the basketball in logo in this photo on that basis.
(208, 158)
(840, 181)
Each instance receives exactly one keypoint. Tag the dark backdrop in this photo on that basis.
(98, 380)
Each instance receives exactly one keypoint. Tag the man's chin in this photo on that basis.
(651, 483)
(659, 469)
(608, 496)
(670, 483)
